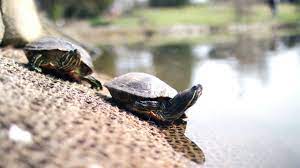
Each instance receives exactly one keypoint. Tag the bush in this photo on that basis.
(71, 8)
(85, 8)
(168, 3)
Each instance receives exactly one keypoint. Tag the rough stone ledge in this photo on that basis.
(70, 125)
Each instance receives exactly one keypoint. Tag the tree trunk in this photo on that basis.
(21, 21)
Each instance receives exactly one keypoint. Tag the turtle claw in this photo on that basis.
(95, 84)
(36, 69)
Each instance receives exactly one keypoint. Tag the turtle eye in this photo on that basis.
(195, 87)
(75, 51)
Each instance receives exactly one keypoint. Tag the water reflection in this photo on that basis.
(246, 54)
(248, 113)
(249, 117)
(107, 62)
(161, 61)
(174, 62)
(118, 60)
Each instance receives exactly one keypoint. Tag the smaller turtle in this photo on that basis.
(62, 57)
(147, 95)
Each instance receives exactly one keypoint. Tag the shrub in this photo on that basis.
(71, 8)
(168, 3)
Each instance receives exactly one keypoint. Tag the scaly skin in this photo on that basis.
(35, 63)
(169, 111)
(95, 84)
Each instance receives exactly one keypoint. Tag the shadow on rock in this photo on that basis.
(174, 134)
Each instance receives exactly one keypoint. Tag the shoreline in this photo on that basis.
(120, 35)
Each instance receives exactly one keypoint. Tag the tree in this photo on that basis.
(71, 8)
(242, 8)
(158, 3)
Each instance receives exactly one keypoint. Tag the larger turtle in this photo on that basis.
(149, 96)
(63, 57)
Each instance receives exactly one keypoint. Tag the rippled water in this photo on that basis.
(248, 115)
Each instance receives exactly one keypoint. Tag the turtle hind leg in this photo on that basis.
(35, 63)
(95, 84)
(35, 68)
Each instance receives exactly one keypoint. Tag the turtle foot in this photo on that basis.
(95, 84)
(36, 69)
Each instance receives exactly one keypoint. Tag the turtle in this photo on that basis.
(62, 57)
(147, 95)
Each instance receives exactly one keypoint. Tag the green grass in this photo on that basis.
(289, 14)
(163, 17)
(219, 15)
(98, 21)
(286, 14)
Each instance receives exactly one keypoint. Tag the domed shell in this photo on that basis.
(142, 85)
(55, 43)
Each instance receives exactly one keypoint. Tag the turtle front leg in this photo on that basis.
(95, 84)
(153, 109)
(35, 63)
(162, 111)
(146, 105)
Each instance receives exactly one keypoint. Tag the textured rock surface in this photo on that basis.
(1, 28)
(21, 21)
(72, 125)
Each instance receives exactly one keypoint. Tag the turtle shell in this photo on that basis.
(140, 85)
(60, 44)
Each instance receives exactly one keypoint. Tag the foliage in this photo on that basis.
(71, 8)
(57, 12)
(85, 8)
(167, 3)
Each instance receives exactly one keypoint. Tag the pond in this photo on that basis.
(249, 112)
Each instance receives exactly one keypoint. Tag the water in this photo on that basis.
(248, 115)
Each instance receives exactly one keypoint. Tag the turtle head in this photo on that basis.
(187, 98)
(75, 52)
(181, 102)
(192, 94)
(82, 69)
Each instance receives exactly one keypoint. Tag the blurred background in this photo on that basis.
(155, 36)
(246, 54)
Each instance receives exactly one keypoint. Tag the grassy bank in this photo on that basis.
(211, 23)
(204, 15)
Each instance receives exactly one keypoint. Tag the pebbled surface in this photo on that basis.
(69, 125)
(175, 135)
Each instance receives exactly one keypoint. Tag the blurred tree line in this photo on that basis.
(57, 9)
(159, 3)
(90, 8)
